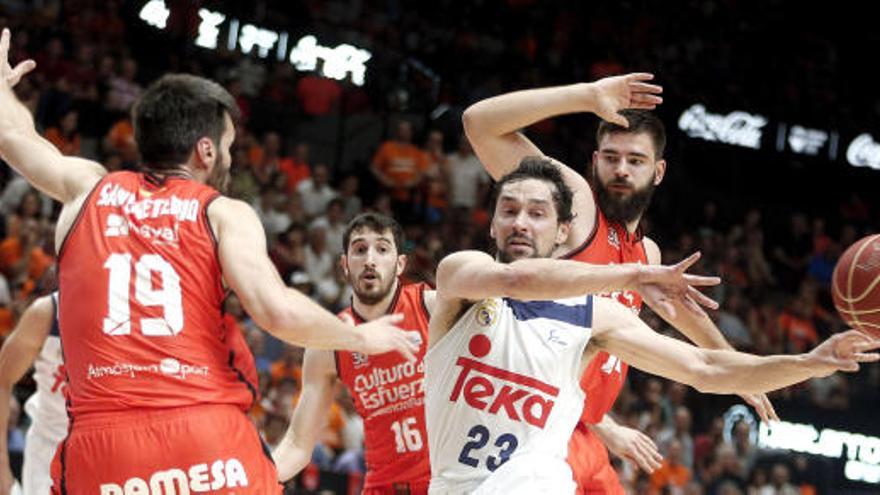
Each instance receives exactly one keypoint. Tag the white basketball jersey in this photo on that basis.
(503, 384)
(46, 407)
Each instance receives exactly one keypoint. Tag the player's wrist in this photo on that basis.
(584, 96)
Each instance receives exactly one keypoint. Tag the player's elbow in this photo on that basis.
(471, 121)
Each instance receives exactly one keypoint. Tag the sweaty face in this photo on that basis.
(525, 224)
(219, 176)
(372, 265)
(625, 173)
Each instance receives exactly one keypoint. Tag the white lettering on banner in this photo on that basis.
(176, 481)
(155, 13)
(736, 128)
(862, 452)
(253, 36)
(338, 61)
(864, 152)
(209, 29)
(806, 141)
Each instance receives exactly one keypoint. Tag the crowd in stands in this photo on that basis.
(776, 265)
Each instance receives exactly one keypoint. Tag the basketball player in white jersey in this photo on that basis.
(509, 338)
(36, 341)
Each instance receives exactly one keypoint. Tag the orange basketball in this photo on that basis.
(855, 285)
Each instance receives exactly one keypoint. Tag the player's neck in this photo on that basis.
(632, 226)
(370, 312)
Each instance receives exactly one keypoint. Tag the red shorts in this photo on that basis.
(398, 489)
(198, 449)
(590, 464)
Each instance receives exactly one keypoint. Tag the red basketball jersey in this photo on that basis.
(389, 396)
(610, 243)
(141, 307)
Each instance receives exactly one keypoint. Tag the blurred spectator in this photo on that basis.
(797, 327)
(792, 252)
(316, 191)
(730, 320)
(400, 166)
(348, 193)
(672, 476)
(779, 482)
(296, 168)
(680, 435)
(333, 223)
(65, 136)
(468, 181)
(320, 263)
(288, 252)
(316, 95)
(123, 88)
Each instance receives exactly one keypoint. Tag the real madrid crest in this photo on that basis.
(486, 312)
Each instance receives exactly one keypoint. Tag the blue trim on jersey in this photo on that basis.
(55, 331)
(580, 315)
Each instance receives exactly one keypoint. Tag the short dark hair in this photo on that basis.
(540, 168)
(174, 113)
(639, 121)
(377, 223)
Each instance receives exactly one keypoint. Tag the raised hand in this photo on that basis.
(11, 75)
(381, 335)
(762, 406)
(613, 94)
(661, 286)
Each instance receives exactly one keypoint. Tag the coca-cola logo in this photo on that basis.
(737, 128)
(521, 397)
(863, 151)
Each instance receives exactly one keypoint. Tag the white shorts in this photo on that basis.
(529, 474)
(39, 449)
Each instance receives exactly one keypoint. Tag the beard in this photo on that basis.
(219, 176)
(381, 287)
(623, 209)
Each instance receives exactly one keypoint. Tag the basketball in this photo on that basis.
(856, 285)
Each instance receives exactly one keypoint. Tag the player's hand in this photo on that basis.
(382, 336)
(617, 93)
(630, 444)
(662, 286)
(8, 73)
(762, 406)
(843, 352)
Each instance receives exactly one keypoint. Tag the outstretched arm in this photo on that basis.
(37, 160)
(474, 275)
(696, 325)
(295, 450)
(284, 312)
(18, 353)
(619, 332)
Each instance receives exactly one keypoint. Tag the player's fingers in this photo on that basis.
(864, 357)
(702, 299)
(643, 106)
(771, 411)
(686, 263)
(404, 347)
(392, 319)
(619, 120)
(648, 456)
(646, 88)
(866, 346)
(702, 280)
(4, 45)
(646, 99)
(21, 69)
(639, 76)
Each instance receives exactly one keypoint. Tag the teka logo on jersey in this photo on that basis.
(199, 478)
(522, 398)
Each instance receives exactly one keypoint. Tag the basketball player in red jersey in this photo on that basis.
(157, 387)
(627, 166)
(387, 390)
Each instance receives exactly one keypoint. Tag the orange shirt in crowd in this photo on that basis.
(402, 163)
(669, 474)
(801, 333)
(295, 171)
